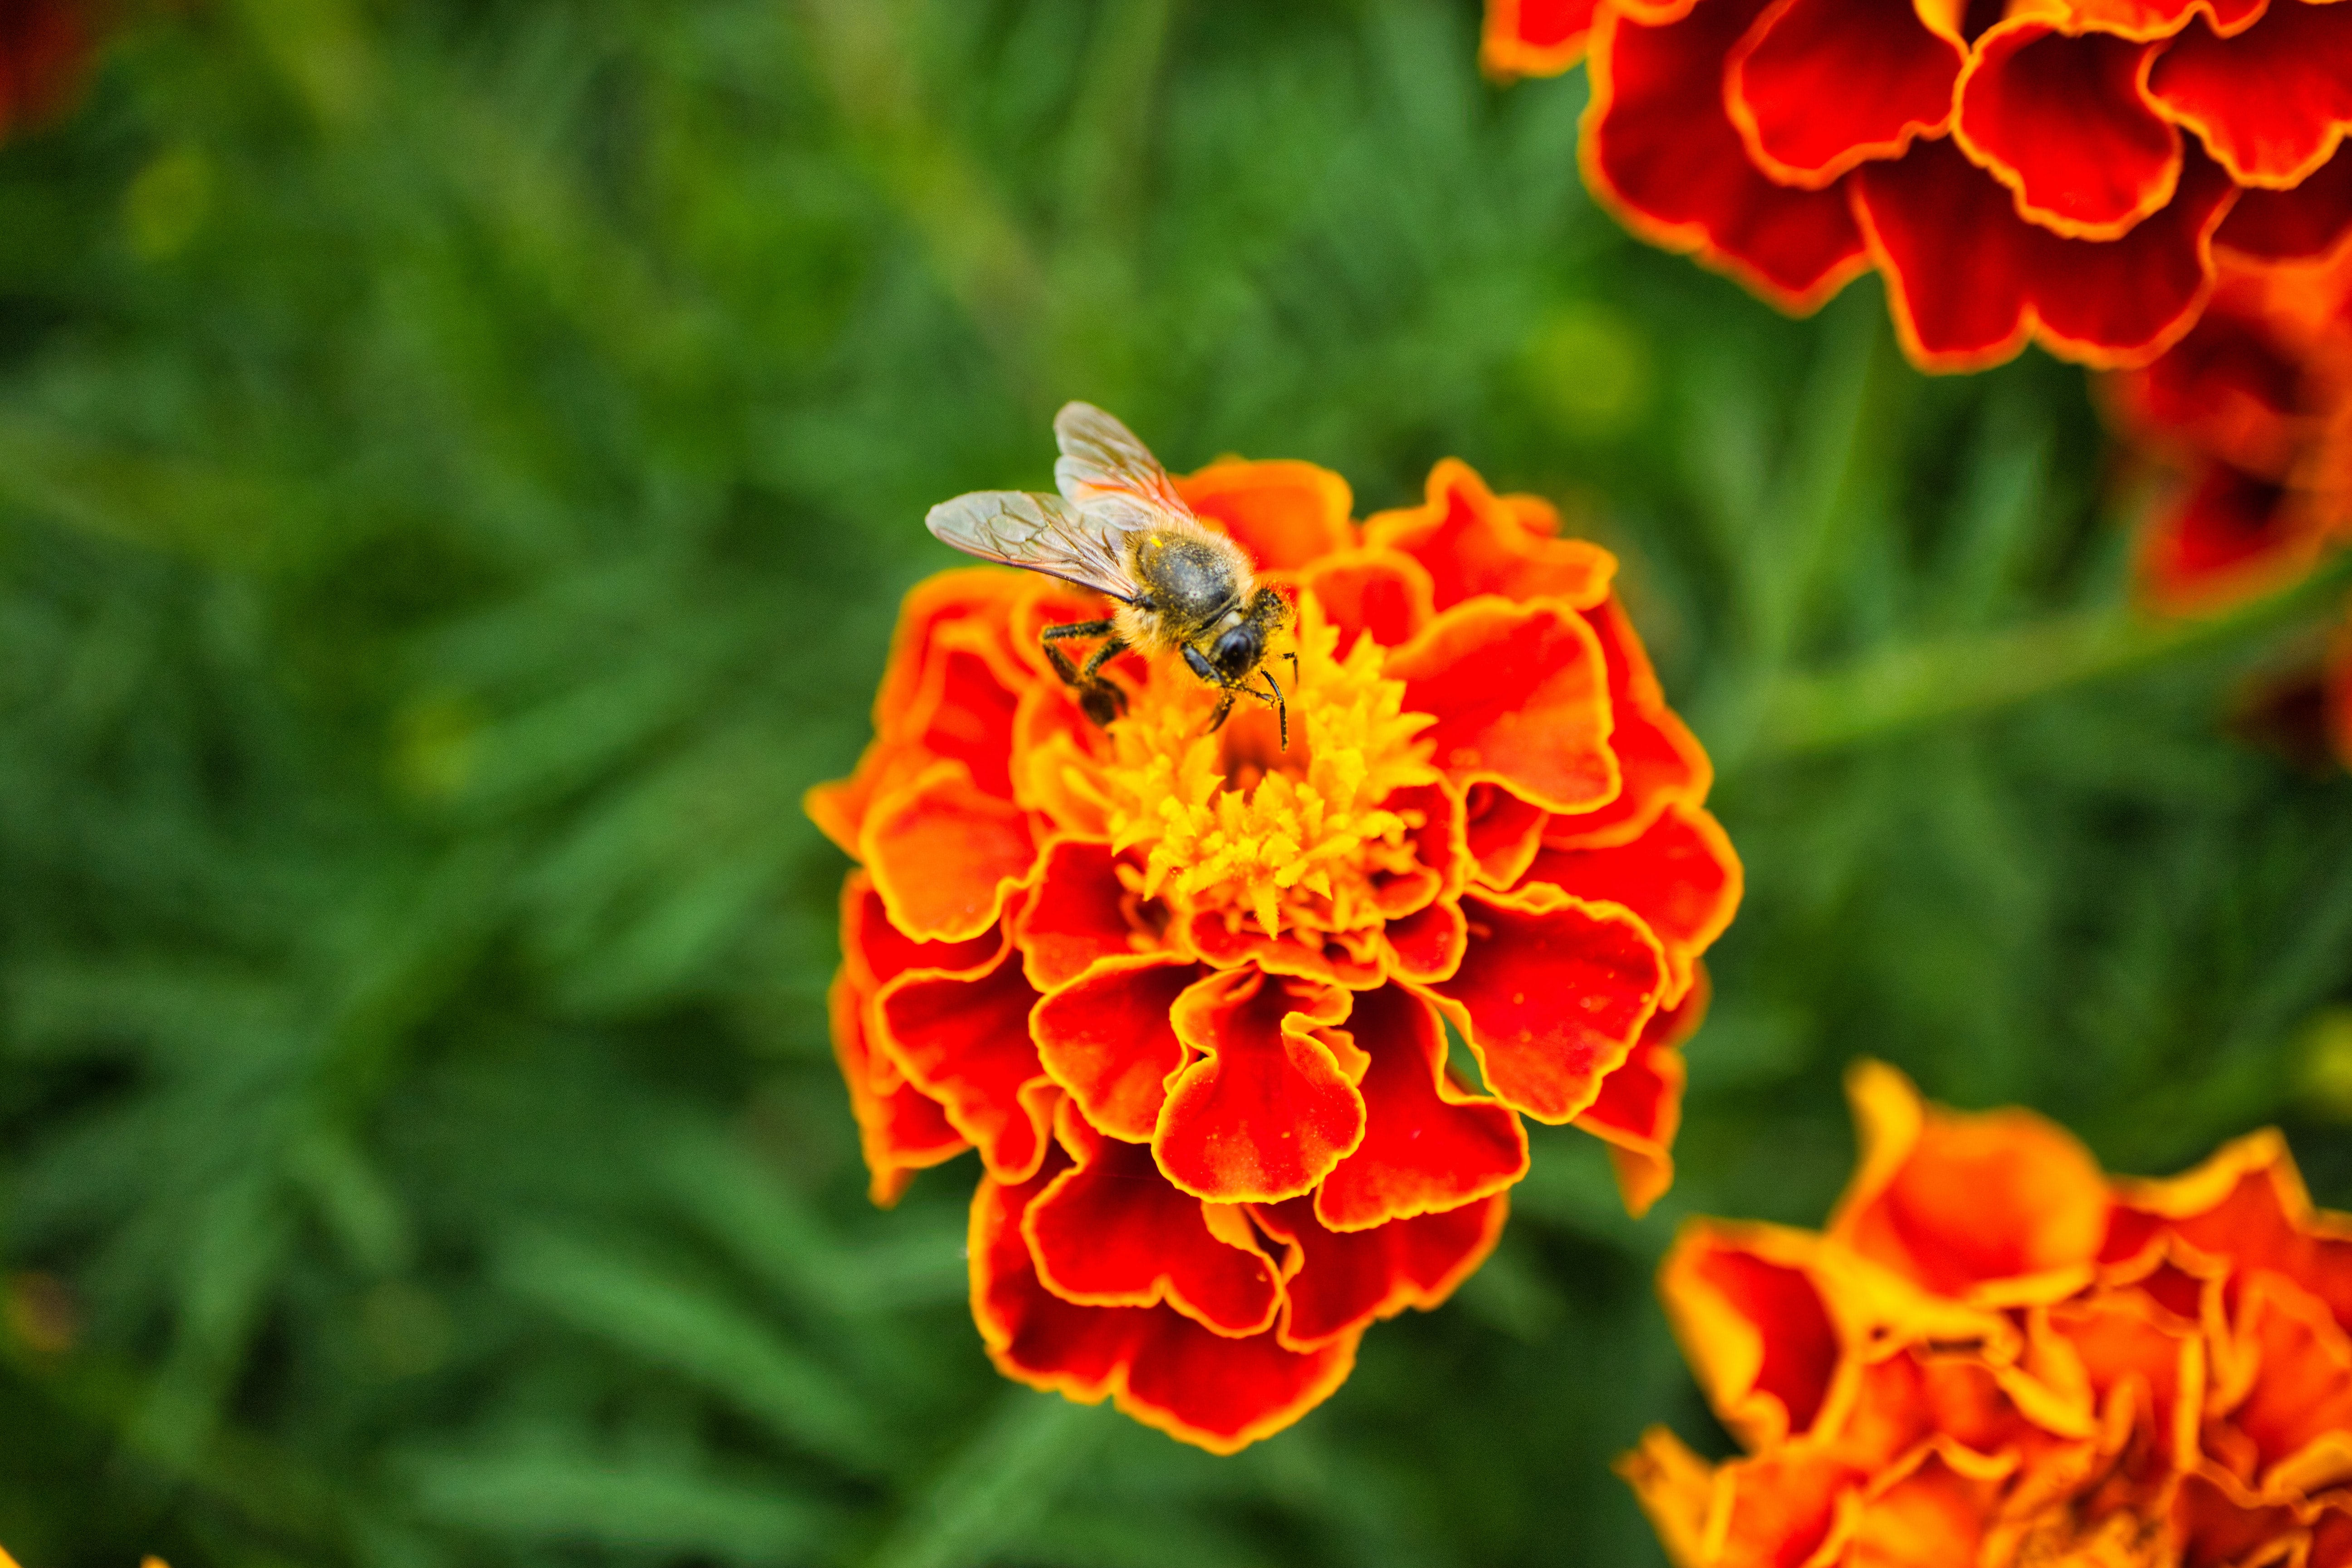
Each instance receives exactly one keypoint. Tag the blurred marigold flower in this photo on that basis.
(1187, 994)
(2064, 170)
(44, 46)
(1996, 1354)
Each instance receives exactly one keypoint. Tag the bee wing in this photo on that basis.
(1104, 467)
(1042, 533)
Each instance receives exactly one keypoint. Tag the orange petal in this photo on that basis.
(1340, 1281)
(1659, 761)
(900, 1130)
(2295, 1364)
(1428, 1145)
(1818, 87)
(2246, 1203)
(2304, 224)
(1287, 514)
(964, 1041)
(1998, 1206)
(1426, 946)
(1381, 593)
(1108, 1040)
(1682, 878)
(944, 856)
(2061, 120)
(1505, 831)
(1753, 1325)
(1640, 1106)
(1110, 1232)
(1265, 1111)
(1520, 696)
(1472, 542)
(1077, 916)
(2272, 103)
(1551, 998)
(1534, 37)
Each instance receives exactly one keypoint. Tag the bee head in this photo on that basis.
(1237, 652)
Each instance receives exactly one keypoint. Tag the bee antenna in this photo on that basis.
(1281, 708)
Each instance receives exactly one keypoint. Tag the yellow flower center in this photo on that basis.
(1297, 840)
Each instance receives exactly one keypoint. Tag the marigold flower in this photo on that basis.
(1187, 994)
(1997, 1355)
(2062, 171)
(44, 46)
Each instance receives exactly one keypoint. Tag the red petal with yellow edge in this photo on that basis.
(1473, 541)
(1659, 761)
(965, 1043)
(1075, 917)
(1287, 514)
(1427, 947)
(1110, 1232)
(1752, 1324)
(2229, 537)
(1534, 37)
(2230, 390)
(2127, 1336)
(1936, 1511)
(1505, 831)
(1340, 1282)
(1969, 281)
(1819, 86)
(1232, 941)
(1428, 1145)
(945, 857)
(2061, 120)
(1551, 999)
(1660, 151)
(2290, 1388)
(1381, 593)
(900, 1130)
(1776, 1511)
(2271, 104)
(2248, 1204)
(1266, 1112)
(1157, 1365)
(1640, 1107)
(1108, 1040)
(2304, 224)
(969, 607)
(963, 711)
(1958, 1204)
(1520, 698)
(875, 951)
(1681, 878)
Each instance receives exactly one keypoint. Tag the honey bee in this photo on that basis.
(1120, 528)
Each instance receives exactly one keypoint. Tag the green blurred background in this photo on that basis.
(458, 463)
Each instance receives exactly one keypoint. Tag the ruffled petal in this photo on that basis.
(1505, 831)
(2286, 1385)
(945, 857)
(1520, 697)
(2246, 1205)
(900, 1130)
(1818, 87)
(1076, 915)
(1110, 1232)
(1341, 1281)
(1551, 997)
(2304, 224)
(1749, 1316)
(1534, 37)
(875, 951)
(1640, 1106)
(1266, 1112)
(1659, 761)
(1660, 151)
(2229, 390)
(1384, 594)
(1288, 515)
(964, 1041)
(1107, 1039)
(1424, 948)
(1682, 878)
(1472, 542)
(967, 609)
(2227, 538)
(1428, 1145)
(2061, 120)
(1969, 281)
(2271, 104)
(1997, 1207)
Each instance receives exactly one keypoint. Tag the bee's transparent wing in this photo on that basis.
(1104, 467)
(1042, 533)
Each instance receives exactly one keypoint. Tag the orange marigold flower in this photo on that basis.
(43, 46)
(2064, 170)
(1996, 1354)
(1187, 993)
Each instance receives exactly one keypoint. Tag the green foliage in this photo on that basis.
(458, 468)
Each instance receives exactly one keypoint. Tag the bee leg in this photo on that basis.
(1099, 698)
(1281, 708)
(1224, 706)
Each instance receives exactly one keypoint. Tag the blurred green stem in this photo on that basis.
(1918, 684)
(1009, 1473)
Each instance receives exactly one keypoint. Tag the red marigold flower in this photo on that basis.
(2069, 172)
(1187, 993)
(44, 45)
(1997, 1355)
